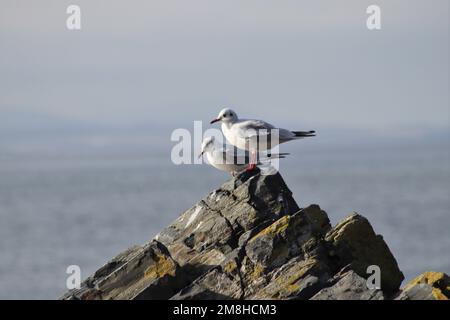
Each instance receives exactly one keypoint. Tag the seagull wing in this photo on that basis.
(248, 129)
(228, 156)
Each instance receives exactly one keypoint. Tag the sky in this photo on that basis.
(151, 63)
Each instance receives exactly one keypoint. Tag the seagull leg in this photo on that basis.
(252, 164)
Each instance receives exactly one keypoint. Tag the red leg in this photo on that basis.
(252, 164)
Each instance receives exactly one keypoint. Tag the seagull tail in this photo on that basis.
(304, 134)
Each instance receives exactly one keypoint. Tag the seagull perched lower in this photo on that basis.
(228, 160)
(247, 134)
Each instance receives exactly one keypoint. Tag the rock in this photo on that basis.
(146, 272)
(349, 286)
(250, 240)
(427, 286)
(215, 284)
(203, 236)
(354, 242)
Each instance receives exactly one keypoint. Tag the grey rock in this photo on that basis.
(418, 292)
(349, 286)
(214, 285)
(204, 235)
(429, 285)
(146, 272)
(353, 241)
(250, 240)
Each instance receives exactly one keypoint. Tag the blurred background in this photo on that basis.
(86, 118)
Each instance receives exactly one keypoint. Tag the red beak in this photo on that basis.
(215, 120)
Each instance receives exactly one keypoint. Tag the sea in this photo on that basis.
(80, 201)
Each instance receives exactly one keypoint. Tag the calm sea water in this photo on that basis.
(81, 207)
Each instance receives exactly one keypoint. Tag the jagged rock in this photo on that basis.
(285, 238)
(250, 240)
(267, 264)
(348, 286)
(202, 236)
(215, 284)
(427, 286)
(354, 242)
(279, 257)
(146, 272)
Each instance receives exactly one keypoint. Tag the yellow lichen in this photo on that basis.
(277, 227)
(230, 266)
(257, 271)
(437, 293)
(295, 276)
(292, 288)
(437, 280)
(286, 284)
(163, 266)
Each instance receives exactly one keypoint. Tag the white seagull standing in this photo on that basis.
(228, 160)
(239, 132)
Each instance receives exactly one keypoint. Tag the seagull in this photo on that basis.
(228, 160)
(245, 133)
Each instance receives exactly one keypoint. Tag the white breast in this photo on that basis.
(221, 165)
(232, 134)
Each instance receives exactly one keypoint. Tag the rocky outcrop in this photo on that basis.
(250, 240)
(428, 286)
(146, 272)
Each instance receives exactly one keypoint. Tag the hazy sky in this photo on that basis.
(307, 62)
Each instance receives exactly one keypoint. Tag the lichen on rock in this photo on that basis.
(249, 239)
(429, 285)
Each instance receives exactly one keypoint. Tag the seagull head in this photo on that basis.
(207, 145)
(226, 115)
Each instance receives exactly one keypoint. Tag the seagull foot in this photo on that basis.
(251, 167)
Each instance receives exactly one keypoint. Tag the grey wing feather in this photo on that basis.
(256, 125)
(249, 128)
(228, 155)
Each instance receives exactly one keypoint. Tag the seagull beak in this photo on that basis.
(215, 120)
(200, 155)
